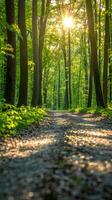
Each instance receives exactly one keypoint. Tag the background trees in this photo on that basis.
(48, 64)
(94, 58)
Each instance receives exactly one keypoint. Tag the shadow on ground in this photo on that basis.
(67, 158)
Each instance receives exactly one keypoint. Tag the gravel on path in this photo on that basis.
(69, 157)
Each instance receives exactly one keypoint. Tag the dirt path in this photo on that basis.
(68, 157)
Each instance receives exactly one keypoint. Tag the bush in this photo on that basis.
(13, 119)
(105, 112)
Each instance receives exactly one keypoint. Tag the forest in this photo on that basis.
(55, 99)
(56, 53)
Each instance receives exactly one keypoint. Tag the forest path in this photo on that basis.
(68, 157)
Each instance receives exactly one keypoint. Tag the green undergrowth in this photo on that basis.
(13, 119)
(104, 112)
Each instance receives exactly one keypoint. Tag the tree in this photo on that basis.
(35, 51)
(90, 82)
(92, 36)
(110, 59)
(9, 93)
(43, 20)
(106, 52)
(66, 77)
(59, 84)
(23, 55)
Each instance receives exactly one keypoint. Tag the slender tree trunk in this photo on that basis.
(54, 95)
(45, 84)
(106, 53)
(79, 84)
(92, 35)
(11, 61)
(69, 67)
(35, 51)
(100, 34)
(59, 84)
(110, 64)
(90, 83)
(85, 62)
(23, 55)
(66, 79)
(43, 20)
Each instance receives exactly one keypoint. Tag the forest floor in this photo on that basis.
(68, 157)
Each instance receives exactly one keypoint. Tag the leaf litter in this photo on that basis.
(69, 157)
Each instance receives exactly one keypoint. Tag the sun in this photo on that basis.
(68, 21)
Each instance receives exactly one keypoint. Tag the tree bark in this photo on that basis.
(35, 51)
(110, 60)
(43, 21)
(106, 52)
(9, 93)
(99, 38)
(59, 84)
(66, 79)
(90, 84)
(23, 89)
(69, 67)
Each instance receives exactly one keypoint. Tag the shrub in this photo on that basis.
(13, 119)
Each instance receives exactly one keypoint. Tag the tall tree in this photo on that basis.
(69, 67)
(99, 36)
(92, 36)
(69, 60)
(90, 81)
(43, 20)
(66, 101)
(23, 89)
(106, 52)
(59, 85)
(110, 60)
(35, 51)
(10, 60)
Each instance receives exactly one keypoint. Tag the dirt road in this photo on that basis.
(68, 157)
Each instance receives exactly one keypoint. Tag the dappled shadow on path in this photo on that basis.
(67, 158)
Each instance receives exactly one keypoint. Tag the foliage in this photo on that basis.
(14, 119)
(107, 112)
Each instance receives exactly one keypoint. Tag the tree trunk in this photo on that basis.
(45, 84)
(92, 35)
(35, 52)
(110, 60)
(90, 83)
(59, 84)
(69, 67)
(23, 55)
(11, 61)
(43, 20)
(106, 54)
(66, 79)
(100, 35)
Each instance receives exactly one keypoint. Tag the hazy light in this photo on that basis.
(68, 21)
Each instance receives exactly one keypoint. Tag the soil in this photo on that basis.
(68, 157)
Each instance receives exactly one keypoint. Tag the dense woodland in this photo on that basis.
(47, 60)
(55, 99)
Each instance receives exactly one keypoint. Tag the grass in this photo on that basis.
(13, 119)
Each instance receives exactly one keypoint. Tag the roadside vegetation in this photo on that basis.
(104, 112)
(14, 119)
